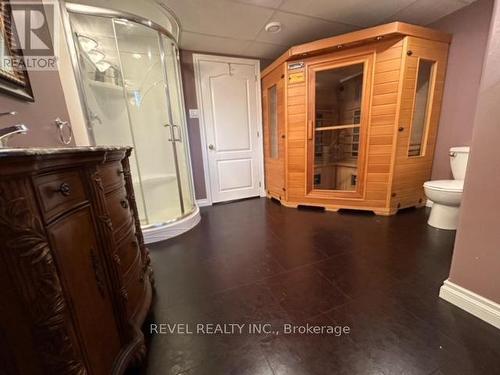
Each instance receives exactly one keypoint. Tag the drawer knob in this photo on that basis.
(124, 203)
(125, 172)
(64, 189)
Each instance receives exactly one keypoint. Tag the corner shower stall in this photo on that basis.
(127, 70)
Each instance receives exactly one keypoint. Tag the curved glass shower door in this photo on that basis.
(133, 96)
(179, 123)
(149, 111)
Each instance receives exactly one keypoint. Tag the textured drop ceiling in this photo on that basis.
(236, 27)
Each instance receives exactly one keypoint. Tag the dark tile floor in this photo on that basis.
(254, 261)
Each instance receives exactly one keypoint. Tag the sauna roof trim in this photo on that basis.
(355, 37)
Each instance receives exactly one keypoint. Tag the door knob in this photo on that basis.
(211, 147)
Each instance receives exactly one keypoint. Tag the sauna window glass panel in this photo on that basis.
(421, 107)
(337, 122)
(273, 122)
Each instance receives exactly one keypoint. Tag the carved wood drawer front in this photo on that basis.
(83, 273)
(128, 251)
(125, 231)
(112, 176)
(59, 192)
(135, 286)
(119, 209)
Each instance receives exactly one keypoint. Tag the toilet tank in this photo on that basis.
(458, 161)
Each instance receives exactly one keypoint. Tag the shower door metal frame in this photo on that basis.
(171, 119)
(68, 7)
(184, 127)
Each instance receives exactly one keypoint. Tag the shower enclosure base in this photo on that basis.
(165, 231)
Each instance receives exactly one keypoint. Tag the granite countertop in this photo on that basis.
(39, 151)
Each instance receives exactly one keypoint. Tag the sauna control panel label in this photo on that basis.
(296, 77)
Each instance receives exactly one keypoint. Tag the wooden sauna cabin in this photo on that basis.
(351, 121)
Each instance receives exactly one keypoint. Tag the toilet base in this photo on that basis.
(444, 217)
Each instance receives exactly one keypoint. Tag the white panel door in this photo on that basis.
(230, 110)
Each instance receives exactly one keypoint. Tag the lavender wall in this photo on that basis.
(189, 87)
(469, 27)
(38, 116)
(476, 256)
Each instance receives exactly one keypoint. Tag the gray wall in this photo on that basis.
(188, 85)
(469, 27)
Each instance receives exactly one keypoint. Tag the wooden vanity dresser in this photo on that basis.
(75, 276)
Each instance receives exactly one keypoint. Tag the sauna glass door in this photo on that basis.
(335, 125)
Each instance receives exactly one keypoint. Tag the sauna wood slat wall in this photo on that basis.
(274, 168)
(296, 138)
(386, 96)
(410, 173)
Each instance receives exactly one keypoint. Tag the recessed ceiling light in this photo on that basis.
(273, 27)
(136, 56)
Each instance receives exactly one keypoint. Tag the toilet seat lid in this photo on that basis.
(446, 185)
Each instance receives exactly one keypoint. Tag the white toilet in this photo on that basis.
(447, 194)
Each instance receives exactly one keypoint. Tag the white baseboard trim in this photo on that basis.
(473, 303)
(203, 202)
(429, 203)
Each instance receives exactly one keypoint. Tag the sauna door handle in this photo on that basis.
(310, 130)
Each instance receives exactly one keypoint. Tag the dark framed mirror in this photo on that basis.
(14, 78)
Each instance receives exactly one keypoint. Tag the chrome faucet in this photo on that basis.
(9, 113)
(6, 133)
(9, 131)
